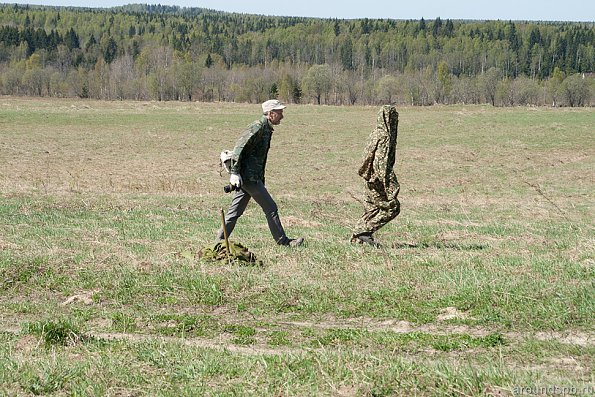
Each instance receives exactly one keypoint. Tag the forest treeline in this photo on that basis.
(154, 52)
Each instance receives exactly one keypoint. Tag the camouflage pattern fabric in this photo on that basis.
(249, 156)
(238, 254)
(380, 182)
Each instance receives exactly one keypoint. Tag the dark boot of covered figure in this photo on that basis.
(365, 239)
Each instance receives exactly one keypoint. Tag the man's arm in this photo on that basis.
(243, 142)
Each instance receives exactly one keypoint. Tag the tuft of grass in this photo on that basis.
(123, 322)
(243, 335)
(47, 379)
(462, 342)
(14, 272)
(279, 338)
(185, 325)
(61, 332)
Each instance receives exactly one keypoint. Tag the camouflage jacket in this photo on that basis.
(380, 155)
(249, 156)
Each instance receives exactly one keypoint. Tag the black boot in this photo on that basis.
(365, 239)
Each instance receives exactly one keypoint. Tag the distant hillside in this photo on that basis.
(144, 51)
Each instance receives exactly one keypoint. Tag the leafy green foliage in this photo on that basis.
(173, 53)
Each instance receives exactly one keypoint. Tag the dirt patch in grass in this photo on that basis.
(568, 337)
(451, 313)
(27, 344)
(219, 344)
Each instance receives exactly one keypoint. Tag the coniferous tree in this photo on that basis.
(110, 51)
(209, 61)
(72, 40)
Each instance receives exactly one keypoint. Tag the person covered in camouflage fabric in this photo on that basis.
(248, 163)
(381, 186)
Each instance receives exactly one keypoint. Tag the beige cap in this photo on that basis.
(272, 104)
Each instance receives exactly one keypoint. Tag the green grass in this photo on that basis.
(485, 283)
(61, 332)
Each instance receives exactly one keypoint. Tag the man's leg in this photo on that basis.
(261, 195)
(239, 202)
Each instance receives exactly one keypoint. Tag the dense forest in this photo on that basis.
(154, 52)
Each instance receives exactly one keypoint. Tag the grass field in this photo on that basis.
(485, 286)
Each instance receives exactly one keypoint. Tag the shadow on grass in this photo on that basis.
(442, 245)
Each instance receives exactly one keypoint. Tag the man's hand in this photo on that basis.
(235, 180)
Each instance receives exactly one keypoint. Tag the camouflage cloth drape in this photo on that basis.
(238, 254)
(380, 182)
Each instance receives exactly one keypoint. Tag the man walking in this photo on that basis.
(248, 164)
(381, 186)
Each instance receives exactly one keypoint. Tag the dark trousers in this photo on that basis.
(239, 202)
